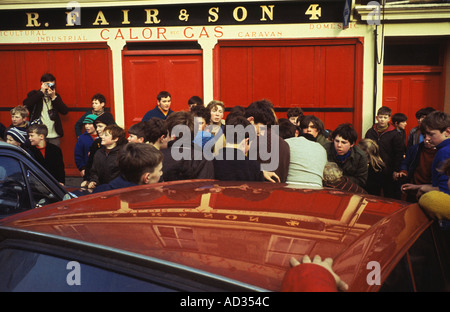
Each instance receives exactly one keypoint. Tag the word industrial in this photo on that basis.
(280, 12)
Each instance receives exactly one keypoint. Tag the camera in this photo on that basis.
(51, 85)
(53, 114)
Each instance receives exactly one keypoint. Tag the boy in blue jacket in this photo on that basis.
(436, 129)
(84, 142)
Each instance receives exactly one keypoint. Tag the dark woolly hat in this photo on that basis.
(18, 134)
(105, 118)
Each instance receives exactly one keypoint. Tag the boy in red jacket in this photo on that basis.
(47, 154)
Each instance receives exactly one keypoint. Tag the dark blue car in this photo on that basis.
(24, 183)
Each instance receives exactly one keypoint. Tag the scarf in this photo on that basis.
(342, 158)
(98, 113)
(381, 129)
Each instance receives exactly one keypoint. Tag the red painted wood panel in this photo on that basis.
(144, 76)
(234, 64)
(81, 70)
(267, 74)
(301, 80)
(339, 79)
(314, 74)
(408, 89)
(9, 93)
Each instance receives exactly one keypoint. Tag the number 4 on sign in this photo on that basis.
(315, 11)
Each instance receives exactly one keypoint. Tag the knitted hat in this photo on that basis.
(18, 134)
(105, 118)
(90, 119)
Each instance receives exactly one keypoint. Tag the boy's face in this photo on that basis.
(341, 145)
(17, 120)
(383, 120)
(427, 144)
(311, 129)
(200, 123)
(89, 128)
(107, 139)
(11, 141)
(133, 138)
(97, 106)
(164, 104)
(402, 125)
(100, 127)
(216, 114)
(436, 137)
(154, 176)
(419, 120)
(293, 120)
(164, 141)
(35, 139)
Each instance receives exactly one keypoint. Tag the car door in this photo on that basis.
(25, 185)
(13, 193)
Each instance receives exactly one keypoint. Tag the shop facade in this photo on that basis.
(327, 57)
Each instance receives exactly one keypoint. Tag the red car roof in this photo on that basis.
(244, 231)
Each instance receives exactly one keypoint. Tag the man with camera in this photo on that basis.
(45, 105)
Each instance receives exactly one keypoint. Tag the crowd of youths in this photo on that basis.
(196, 144)
(297, 149)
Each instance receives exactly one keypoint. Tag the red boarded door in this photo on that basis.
(323, 77)
(406, 89)
(146, 73)
(81, 70)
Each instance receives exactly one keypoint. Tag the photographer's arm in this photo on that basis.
(33, 97)
(59, 105)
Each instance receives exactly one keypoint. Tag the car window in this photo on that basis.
(40, 193)
(423, 268)
(428, 261)
(13, 191)
(24, 271)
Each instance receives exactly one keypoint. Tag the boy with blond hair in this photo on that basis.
(19, 115)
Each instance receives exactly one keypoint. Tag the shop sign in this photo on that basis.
(75, 16)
